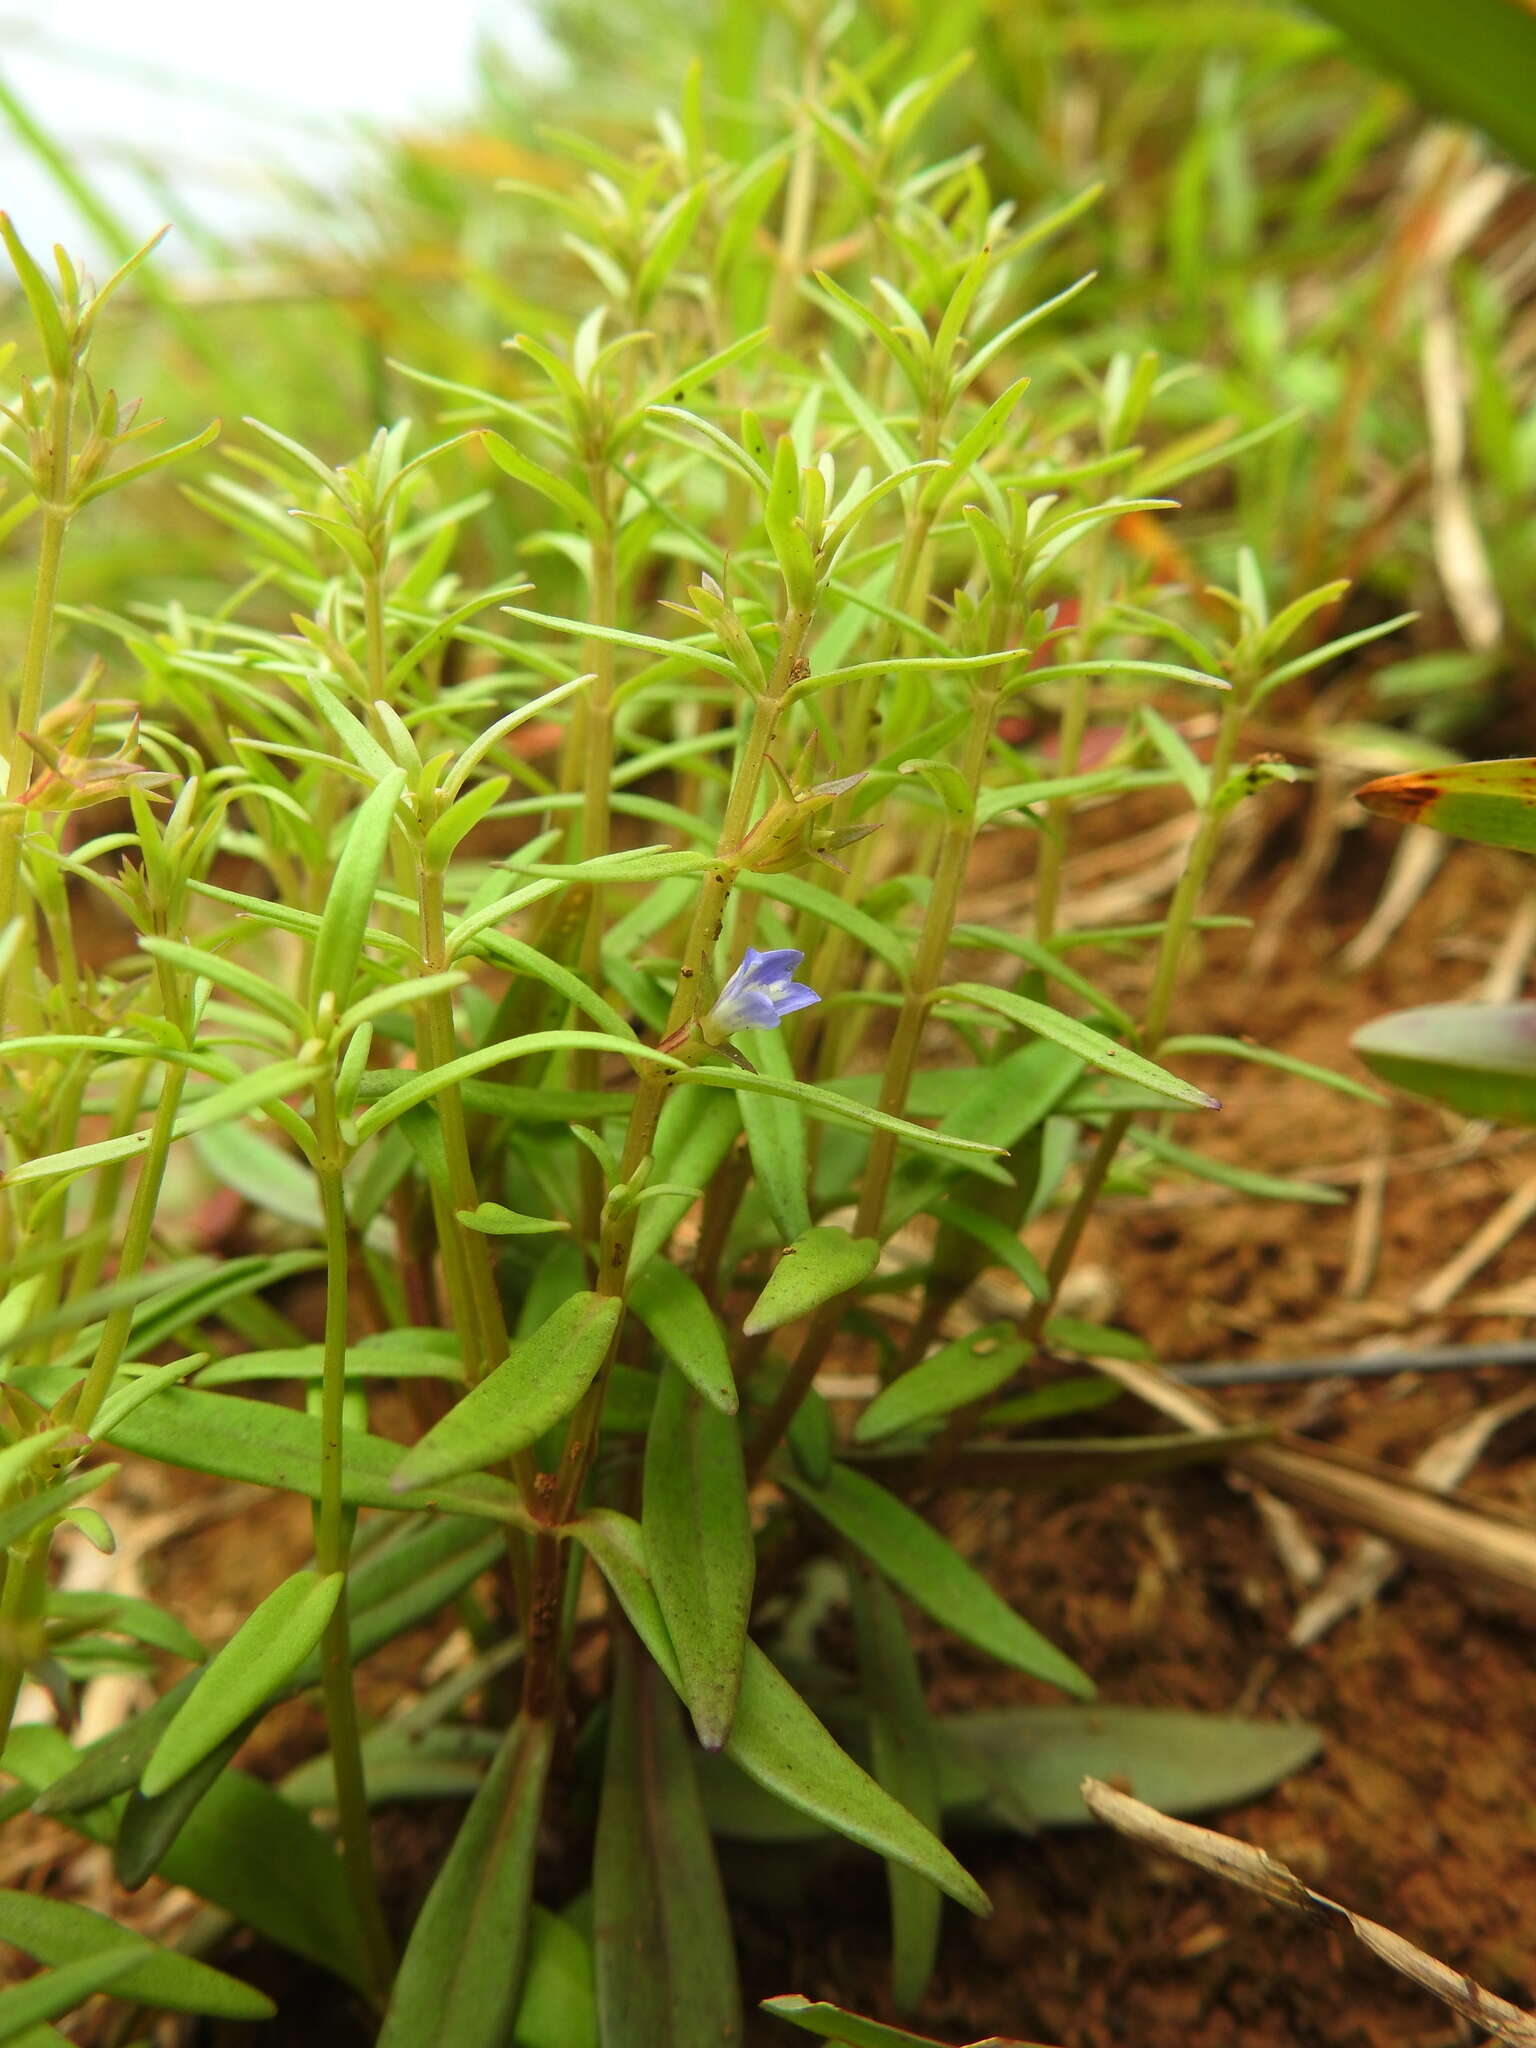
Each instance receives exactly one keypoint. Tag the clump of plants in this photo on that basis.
(564, 951)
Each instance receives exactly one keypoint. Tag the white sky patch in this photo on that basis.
(182, 108)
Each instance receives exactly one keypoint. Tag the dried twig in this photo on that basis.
(1373, 1562)
(1487, 1540)
(1239, 1863)
(1511, 1215)
(1415, 864)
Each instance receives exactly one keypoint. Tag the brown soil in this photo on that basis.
(1421, 1811)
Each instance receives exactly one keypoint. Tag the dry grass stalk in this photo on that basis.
(1374, 1562)
(1241, 1864)
(1488, 1541)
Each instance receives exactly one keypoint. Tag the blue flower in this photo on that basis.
(758, 996)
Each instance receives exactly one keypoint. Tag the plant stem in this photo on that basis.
(332, 1545)
(1176, 931)
(21, 1605)
(901, 1061)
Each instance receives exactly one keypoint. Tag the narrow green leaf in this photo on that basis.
(234, 1438)
(1179, 755)
(780, 1744)
(200, 964)
(558, 2007)
(967, 1370)
(556, 489)
(55, 1931)
(1472, 58)
(461, 1976)
(127, 1615)
(395, 1585)
(540, 1381)
(666, 1963)
(149, 1827)
(495, 1221)
(1266, 1187)
(1003, 1103)
(116, 479)
(1022, 1767)
(775, 1738)
(1082, 1039)
(697, 1528)
(915, 1557)
(834, 2023)
(905, 1760)
(26, 1515)
(697, 1129)
(286, 1883)
(776, 1138)
(251, 1091)
(40, 296)
(1265, 1056)
(1477, 1058)
(344, 921)
(52, 1992)
(390, 1354)
(1007, 1770)
(822, 1263)
(1005, 1245)
(1490, 802)
(673, 1308)
(265, 1651)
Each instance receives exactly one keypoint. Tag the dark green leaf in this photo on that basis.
(822, 1263)
(558, 2008)
(286, 1883)
(55, 1931)
(265, 1651)
(270, 1446)
(1477, 1058)
(905, 1760)
(1082, 1039)
(1473, 58)
(349, 900)
(666, 1963)
(915, 1557)
(461, 1976)
(775, 1738)
(967, 1370)
(1023, 1766)
(539, 1381)
(834, 2023)
(673, 1308)
(698, 1546)
(52, 1992)
(776, 1137)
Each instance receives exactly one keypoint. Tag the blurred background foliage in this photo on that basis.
(1263, 207)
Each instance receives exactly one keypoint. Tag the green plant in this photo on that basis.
(1476, 1058)
(456, 924)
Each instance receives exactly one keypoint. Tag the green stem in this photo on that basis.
(900, 1064)
(1177, 927)
(332, 1546)
(650, 1092)
(799, 204)
(21, 1606)
(927, 967)
(1073, 731)
(56, 514)
(113, 1341)
(596, 818)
